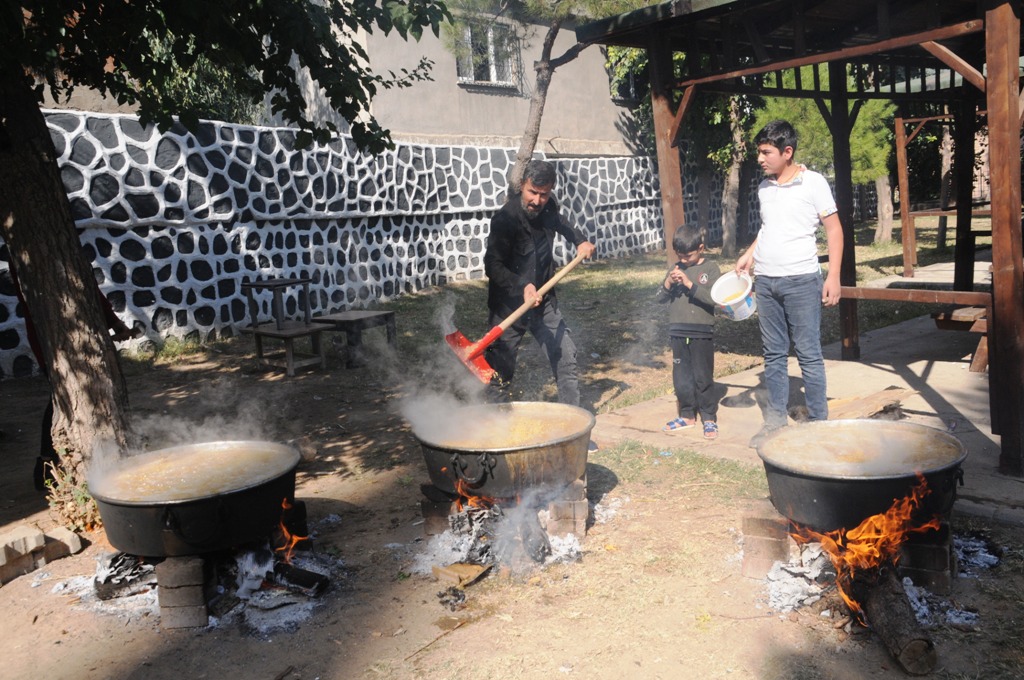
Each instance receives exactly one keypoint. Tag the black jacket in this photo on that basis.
(512, 259)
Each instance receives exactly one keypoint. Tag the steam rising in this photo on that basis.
(443, 384)
(231, 418)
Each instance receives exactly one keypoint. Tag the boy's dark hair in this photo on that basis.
(540, 173)
(778, 133)
(687, 239)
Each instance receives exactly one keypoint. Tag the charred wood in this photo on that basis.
(534, 538)
(301, 580)
(890, 615)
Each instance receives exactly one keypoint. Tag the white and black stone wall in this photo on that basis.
(174, 223)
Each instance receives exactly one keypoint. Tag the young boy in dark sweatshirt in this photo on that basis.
(687, 289)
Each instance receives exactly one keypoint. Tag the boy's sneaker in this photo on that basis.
(710, 429)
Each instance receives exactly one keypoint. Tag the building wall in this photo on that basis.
(174, 223)
(579, 117)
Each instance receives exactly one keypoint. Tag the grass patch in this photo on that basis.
(635, 462)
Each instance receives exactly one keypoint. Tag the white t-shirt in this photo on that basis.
(790, 215)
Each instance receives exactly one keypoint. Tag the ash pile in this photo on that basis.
(808, 579)
(264, 587)
(512, 535)
(472, 536)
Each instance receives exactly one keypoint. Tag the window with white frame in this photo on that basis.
(488, 55)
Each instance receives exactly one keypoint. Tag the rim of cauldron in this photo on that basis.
(192, 499)
(592, 421)
(863, 478)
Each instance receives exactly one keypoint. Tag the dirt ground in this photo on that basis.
(657, 593)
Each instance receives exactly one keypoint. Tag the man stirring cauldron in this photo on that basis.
(518, 261)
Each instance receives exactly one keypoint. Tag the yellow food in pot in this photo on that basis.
(193, 471)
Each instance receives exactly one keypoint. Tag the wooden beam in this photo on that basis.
(953, 31)
(923, 295)
(1006, 374)
(903, 182)
(677, 121)
(670, 173)
(952, 60)
(916, 131)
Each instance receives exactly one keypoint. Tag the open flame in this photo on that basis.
(468, 499)
(873, 543)
(288, 539)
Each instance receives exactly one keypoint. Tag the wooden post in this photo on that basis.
(906, 221)
(963, 166)
(1006, 328)
(841, 125)
(670, 172)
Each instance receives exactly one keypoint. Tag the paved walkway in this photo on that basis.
(914, 355)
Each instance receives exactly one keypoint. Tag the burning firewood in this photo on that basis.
(891, 616)
(865, 559)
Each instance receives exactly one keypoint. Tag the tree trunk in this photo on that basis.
(946, 183)
(90, 398)
(731, 190)
(544, 70)
(705, 181)
(883, 194)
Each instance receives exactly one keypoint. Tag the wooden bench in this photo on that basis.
(288, 331)
(353, 323)
(972, 319)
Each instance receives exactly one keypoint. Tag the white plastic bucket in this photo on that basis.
(734, 294)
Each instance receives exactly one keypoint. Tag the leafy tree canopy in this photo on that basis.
(108, 46)
(871, 141)
(707, 122)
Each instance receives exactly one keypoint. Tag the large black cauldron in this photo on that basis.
(198, 498)
(834, 474)
(506, 450)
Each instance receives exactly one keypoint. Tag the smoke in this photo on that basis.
(231, 415)
(441, 384)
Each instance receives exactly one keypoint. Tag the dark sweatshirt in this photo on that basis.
(692, 311)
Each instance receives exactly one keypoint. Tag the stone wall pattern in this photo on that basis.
(175, 222)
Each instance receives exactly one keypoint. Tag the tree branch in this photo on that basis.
(567, 56)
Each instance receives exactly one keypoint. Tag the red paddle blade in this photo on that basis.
(465, 349)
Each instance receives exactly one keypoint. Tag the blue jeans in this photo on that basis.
(789, 310)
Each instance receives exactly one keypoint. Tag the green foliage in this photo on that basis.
(210, 90)
(707, 122)
(924, 163)
(251, 43)
(68, 496)
(871, 141)
(518, 20)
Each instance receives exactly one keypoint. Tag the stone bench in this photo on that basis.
(353, 323)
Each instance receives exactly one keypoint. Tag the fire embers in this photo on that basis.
(493, 537)
(865, 559)
(510, 534)
(873, 545)
(272, 586)
(120, 574)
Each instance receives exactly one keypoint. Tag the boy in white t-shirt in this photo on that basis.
(789, 286)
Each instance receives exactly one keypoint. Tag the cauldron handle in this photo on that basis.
(485, 462)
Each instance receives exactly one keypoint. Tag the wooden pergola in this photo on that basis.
(922, 54)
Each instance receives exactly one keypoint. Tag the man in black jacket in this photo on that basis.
(518, 261)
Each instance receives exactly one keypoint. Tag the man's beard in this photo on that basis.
(531, 212)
